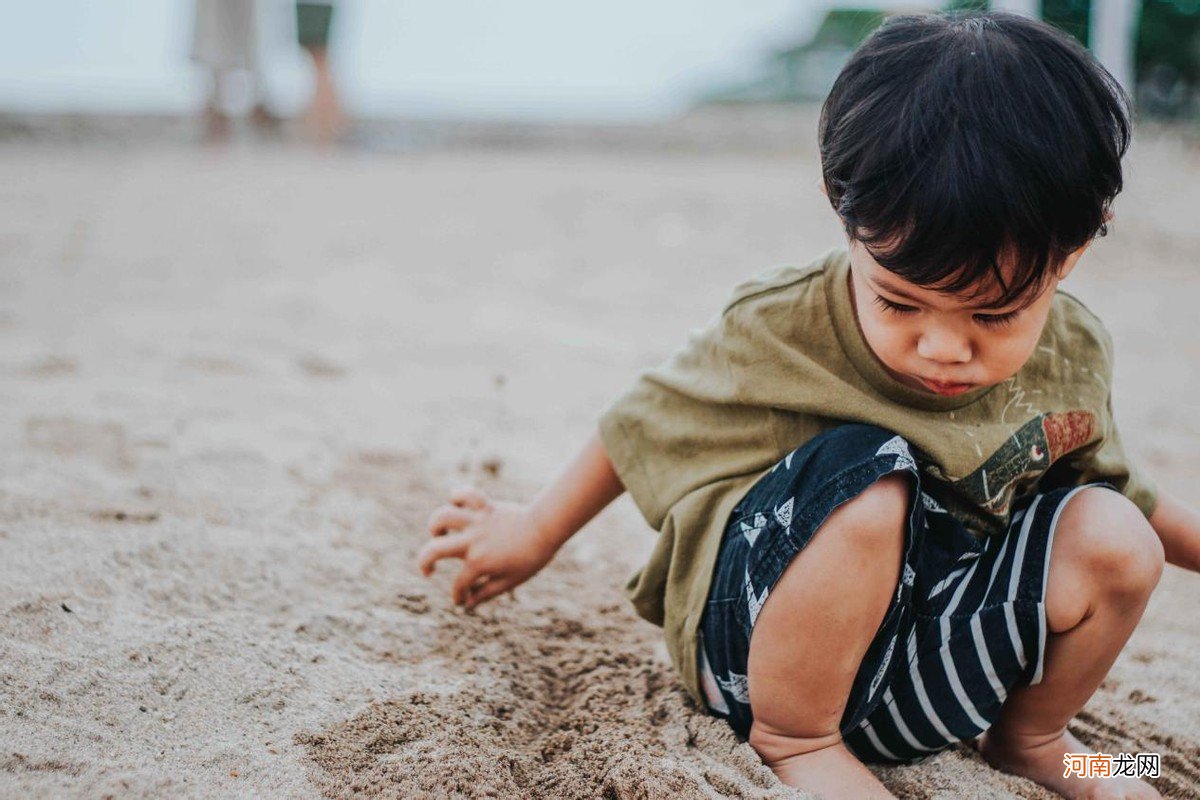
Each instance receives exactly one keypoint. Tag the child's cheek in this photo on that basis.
(887, 340)
(1003, 356)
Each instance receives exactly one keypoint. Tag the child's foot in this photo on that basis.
(831, 773)
(1043, 763)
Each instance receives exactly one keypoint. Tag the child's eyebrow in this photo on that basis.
(882, 283)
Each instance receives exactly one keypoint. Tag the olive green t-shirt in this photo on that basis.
(787, 360)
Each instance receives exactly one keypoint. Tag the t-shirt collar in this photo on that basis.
(859, 353)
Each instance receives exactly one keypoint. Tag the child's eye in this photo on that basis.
(996, 320)
(895, 308)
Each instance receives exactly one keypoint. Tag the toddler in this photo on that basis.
(894, 510)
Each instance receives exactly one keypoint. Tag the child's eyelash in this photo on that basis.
(996, 320)
(990, 320)
(895, 308)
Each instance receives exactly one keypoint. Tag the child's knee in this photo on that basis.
(877, 519)
(1103, 548)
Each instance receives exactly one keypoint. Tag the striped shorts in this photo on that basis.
(966, 625)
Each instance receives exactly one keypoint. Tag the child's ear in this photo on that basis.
(1072, 260)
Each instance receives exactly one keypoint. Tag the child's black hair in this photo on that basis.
(953, 144)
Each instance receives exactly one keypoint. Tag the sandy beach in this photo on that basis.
(234, 384)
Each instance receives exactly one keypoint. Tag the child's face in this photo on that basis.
(940, 343)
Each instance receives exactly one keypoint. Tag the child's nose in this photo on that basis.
(944, 347)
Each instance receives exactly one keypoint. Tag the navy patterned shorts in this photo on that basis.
(966, 625)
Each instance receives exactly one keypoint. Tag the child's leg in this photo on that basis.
(812, 634)
(1104, 563)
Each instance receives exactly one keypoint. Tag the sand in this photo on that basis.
(234, 384)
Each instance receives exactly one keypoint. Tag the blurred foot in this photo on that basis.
(265, 121)
(326, 126)
(217, 125)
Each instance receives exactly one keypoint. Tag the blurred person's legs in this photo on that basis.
(261, 116)
(225, 42)
(324, 119)
(214, 119)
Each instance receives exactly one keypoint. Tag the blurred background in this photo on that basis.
(527, 60)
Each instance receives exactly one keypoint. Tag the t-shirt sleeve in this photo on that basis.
(685, 424)
(1106, 459)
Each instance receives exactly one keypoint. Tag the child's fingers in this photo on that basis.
(449, 518)
(451, 546)
(469, 497)
(482, 592)
(461, 587)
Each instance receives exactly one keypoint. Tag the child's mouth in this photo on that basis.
(948, 389)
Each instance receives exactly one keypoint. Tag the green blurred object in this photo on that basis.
(1072, 16)
(846, 27)
(968, 5)
(841, 32)
(805, 70)
(312, 24)
(1168, 59)
(1167, 55)
(1169, 35)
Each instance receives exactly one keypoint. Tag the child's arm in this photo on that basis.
(1178, 526)
(503, 544)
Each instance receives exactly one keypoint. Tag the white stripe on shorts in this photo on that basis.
(922, 696)
(876, 743)
(948, 658)
(985, 658)
(1022, 542)
(1043, 623)
(889, 700)
(996, 568)
(941, 585)
(1014, 579)
(1011, 618)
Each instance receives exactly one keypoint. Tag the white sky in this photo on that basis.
(492, 58)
